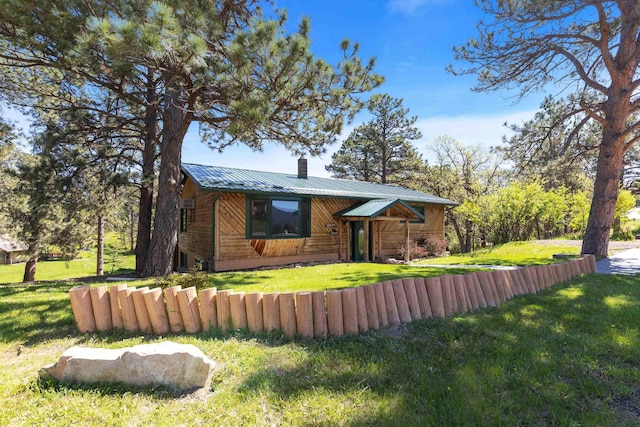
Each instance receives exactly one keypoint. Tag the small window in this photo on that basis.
(278, 218)
(259, 218)
(184, 215)
(420, 209)
(183, 261)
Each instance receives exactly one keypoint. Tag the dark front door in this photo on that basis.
(357, 241)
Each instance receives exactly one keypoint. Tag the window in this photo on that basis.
(278, 218)
(183, 260)
(420, 209)
(184, 214)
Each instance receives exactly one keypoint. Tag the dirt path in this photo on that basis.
(614, 246)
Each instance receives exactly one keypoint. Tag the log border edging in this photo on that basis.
(316, 314)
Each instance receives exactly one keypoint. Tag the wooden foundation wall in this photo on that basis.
(311, 314)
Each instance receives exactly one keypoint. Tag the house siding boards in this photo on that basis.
(11, 250)
(217, 227)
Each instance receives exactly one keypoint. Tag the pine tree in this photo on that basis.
(227, 65)
(381, 149)
(588, 48)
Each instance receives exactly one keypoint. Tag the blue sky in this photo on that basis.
(412, 41)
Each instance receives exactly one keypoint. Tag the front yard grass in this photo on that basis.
(509, 254)
(567, 356)
(322, 277)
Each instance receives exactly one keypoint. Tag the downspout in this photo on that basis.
(213, 232)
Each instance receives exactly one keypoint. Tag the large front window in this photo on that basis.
(278, 218)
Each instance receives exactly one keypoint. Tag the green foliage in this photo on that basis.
(510, 254)
(198, 279)
(230, 66)
(575, 45)
(381, 149)
(464, 174)
(522, 211)
(626, 201)
(579, 212)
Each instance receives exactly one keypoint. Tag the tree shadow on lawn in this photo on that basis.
(562, 356)
(400, 273)
(33, 313)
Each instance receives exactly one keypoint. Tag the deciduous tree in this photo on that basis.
(464, 174)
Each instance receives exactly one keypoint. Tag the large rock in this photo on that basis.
(181, 367)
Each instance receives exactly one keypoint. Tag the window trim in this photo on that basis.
(269, 233)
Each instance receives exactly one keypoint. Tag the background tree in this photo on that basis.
(8, 181)
(463, 174)
(46, 205)
(540, 149)
(222, 64)
(625, 202)
(522, 211)
(590, 47)
(381, 149)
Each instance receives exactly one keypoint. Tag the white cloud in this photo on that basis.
(484, 130)
(409, 6)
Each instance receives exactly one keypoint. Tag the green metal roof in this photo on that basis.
(215, 178)
(373, 208)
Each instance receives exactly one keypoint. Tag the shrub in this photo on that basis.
(623, 234)
(194, 277)
(424, 247)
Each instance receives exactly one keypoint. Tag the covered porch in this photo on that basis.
(360, 227)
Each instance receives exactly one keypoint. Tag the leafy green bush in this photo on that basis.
(194, 277)
(623, 234)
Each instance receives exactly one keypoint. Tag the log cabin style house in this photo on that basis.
(232, 219)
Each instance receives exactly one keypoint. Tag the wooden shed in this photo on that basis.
(11, 250)
(234, 219)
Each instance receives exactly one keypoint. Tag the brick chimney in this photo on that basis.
(302, 168)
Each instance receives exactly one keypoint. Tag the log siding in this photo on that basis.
(216, 233)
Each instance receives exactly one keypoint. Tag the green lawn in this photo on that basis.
(83, 266)
(322, 277)
(510, 254)
(567, 356)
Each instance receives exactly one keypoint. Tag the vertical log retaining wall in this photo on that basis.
(311, 314)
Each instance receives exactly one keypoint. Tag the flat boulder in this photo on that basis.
(180, 367)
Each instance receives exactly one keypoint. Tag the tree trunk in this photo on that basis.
(100, 256)
(605, 195)
(165, 230)
(30, 269)
(145, 211)
(131, 230)
(456, 228)
(468, 230)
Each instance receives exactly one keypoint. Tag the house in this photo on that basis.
(11, 250)
(234, 219)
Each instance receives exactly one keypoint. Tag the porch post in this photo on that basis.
(340, 224)
(407, 252)
(347, 233)
(366, 239)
